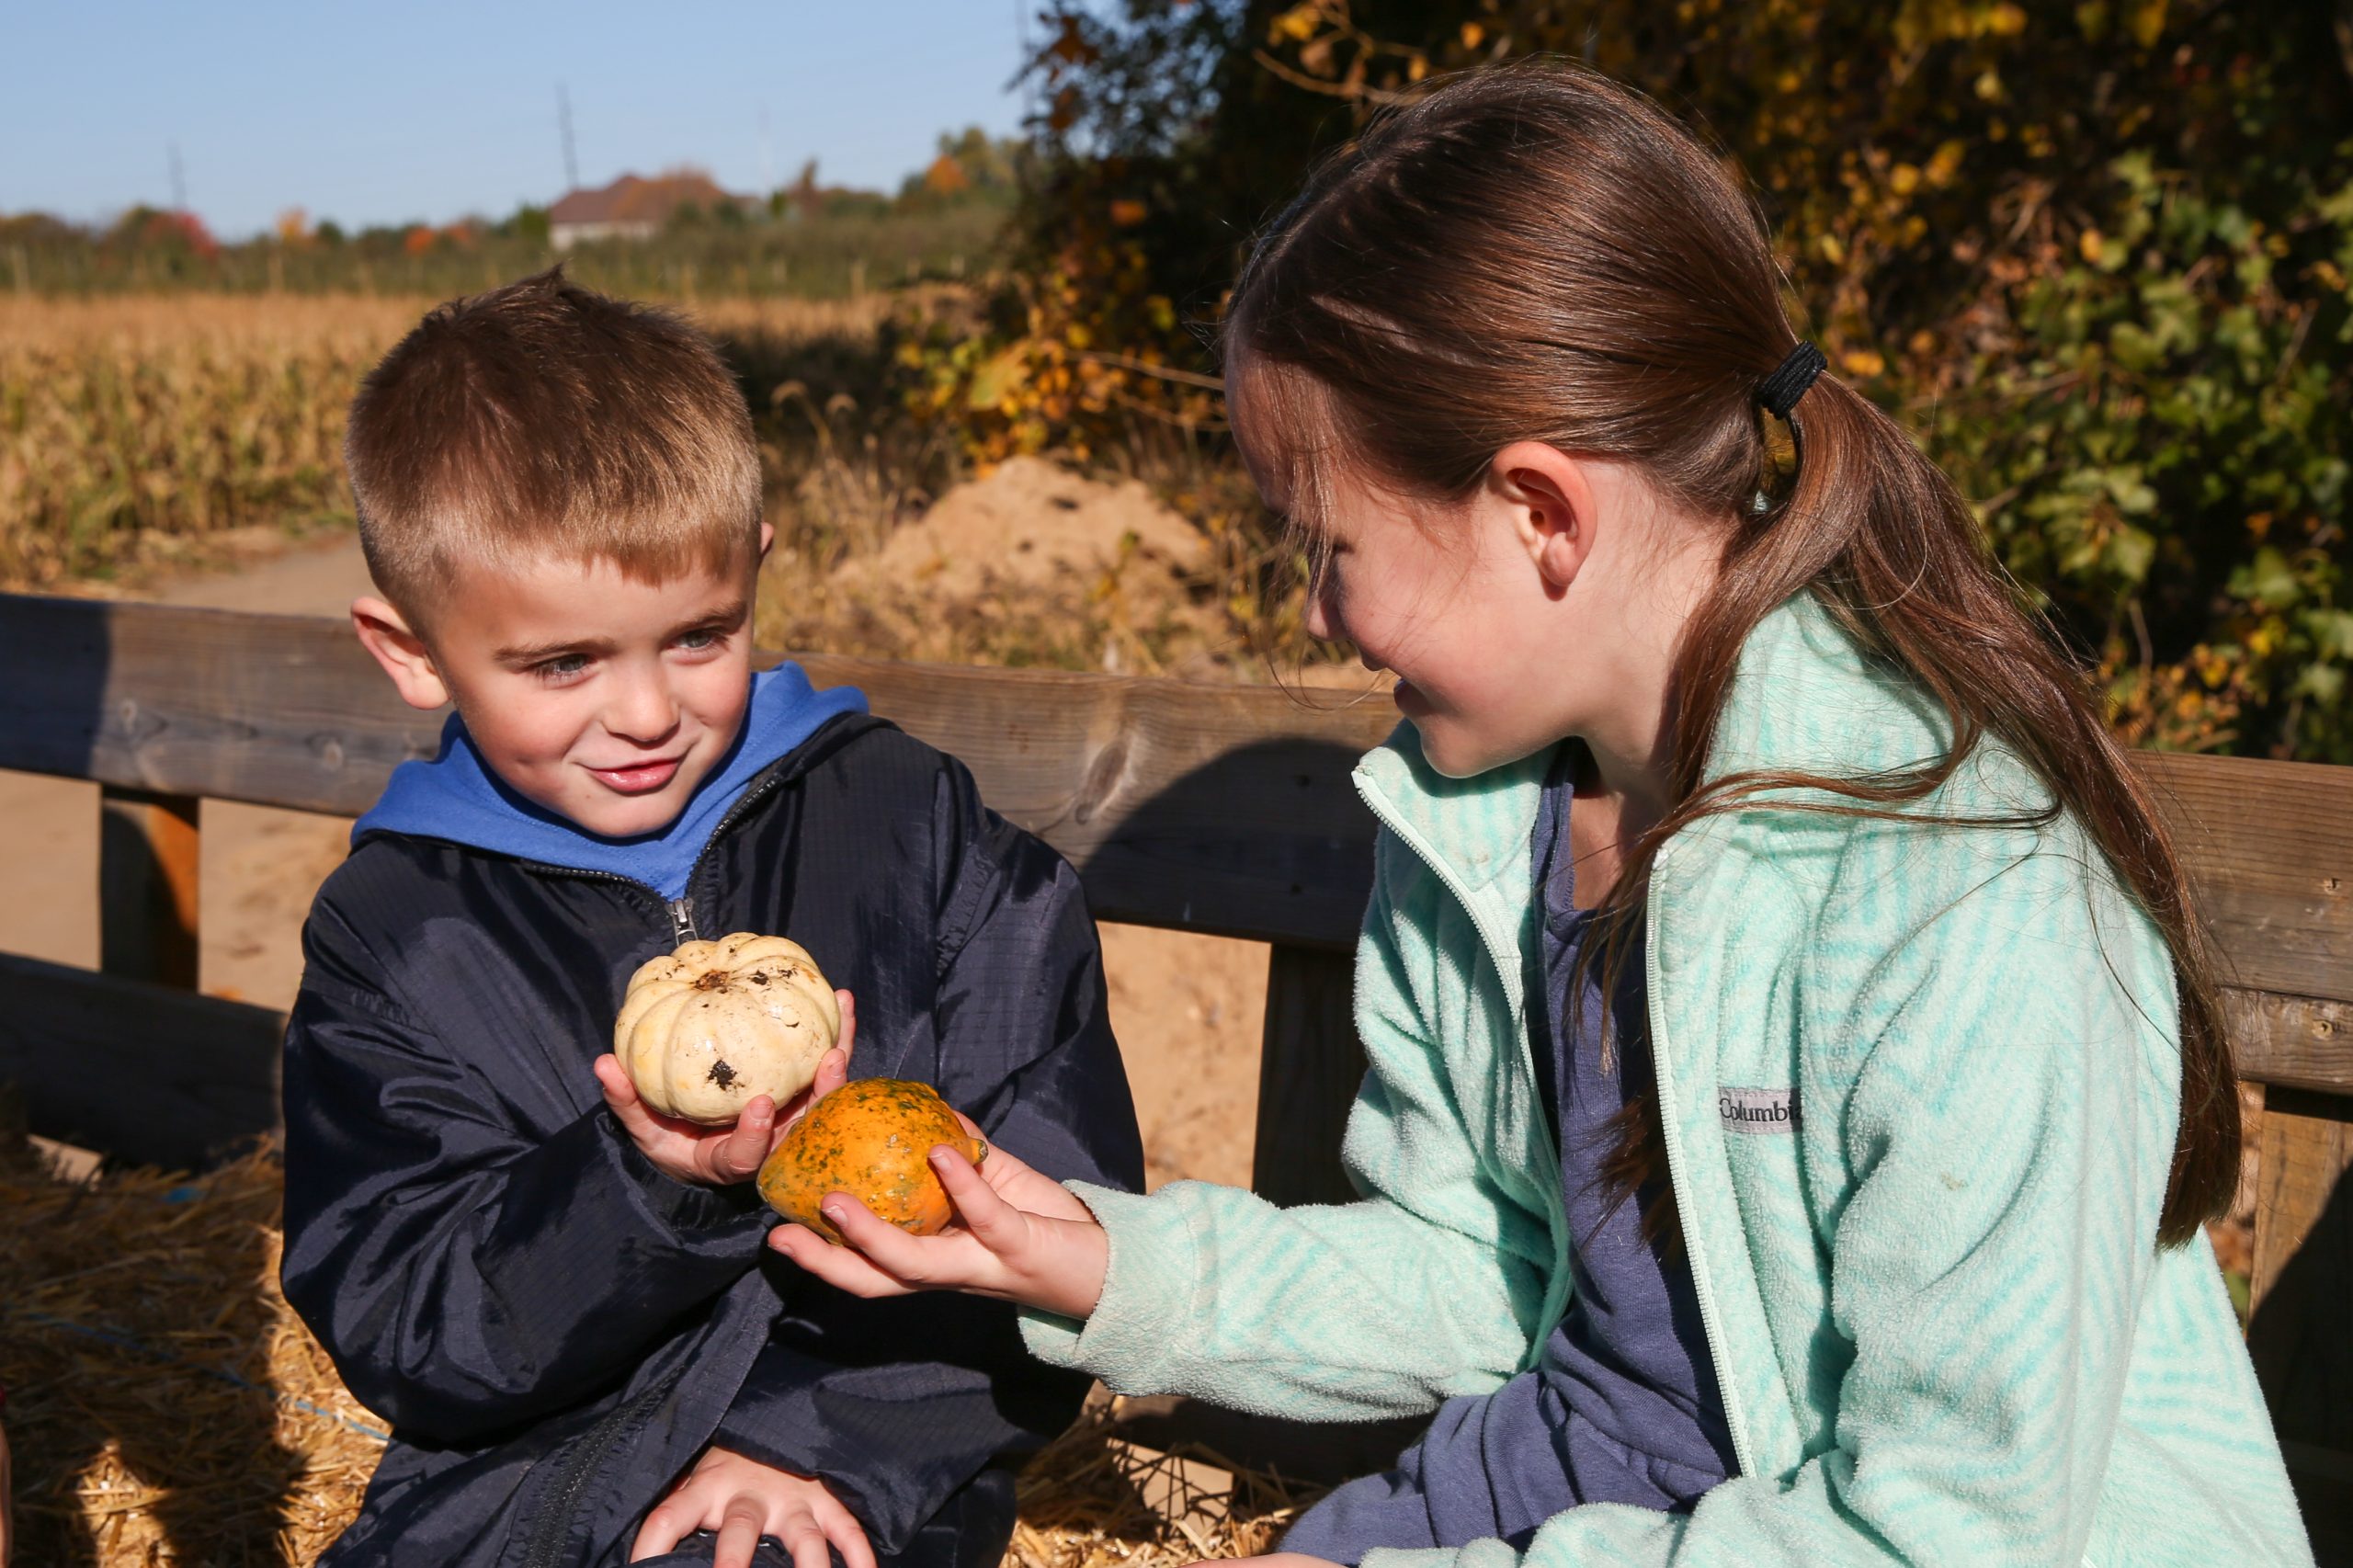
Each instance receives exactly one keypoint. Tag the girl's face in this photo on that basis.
(1547, 604)
(1453, 615)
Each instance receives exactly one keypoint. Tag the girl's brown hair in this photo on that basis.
(1537, 252)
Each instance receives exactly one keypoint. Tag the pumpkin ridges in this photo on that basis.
(689, 1010)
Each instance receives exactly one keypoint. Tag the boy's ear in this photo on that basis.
(767, 538)
(384, 632)
(1551, 503)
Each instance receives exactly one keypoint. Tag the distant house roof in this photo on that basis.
(634, 200)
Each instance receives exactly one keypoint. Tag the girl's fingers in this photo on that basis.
(911, 1260)
(849, 1033)
(841, 1267)
(986, 1213)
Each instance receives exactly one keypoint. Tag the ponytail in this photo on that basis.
(1878, 534)
(1536, 253)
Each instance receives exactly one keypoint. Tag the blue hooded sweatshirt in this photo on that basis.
(457, 799)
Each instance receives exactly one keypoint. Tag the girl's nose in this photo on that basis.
(642, 711)
(1321, 623)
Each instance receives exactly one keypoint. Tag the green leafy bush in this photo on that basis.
(2096, 254)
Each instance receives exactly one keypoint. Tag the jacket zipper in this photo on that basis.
(1710, 1322)
(680, 912)
(601, 1439)
(1445, 874)
(595, 1447)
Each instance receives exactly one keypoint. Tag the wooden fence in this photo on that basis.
(1217, 809)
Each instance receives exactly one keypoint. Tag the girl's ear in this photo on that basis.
(1549, 498)
(386, 634)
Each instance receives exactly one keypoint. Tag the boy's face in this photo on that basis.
(602, 697)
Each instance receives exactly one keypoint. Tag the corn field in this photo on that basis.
(138, 432)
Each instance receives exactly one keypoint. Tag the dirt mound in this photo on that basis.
(1029, 523)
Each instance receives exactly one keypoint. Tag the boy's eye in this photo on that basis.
(702, 639)
(562, 667)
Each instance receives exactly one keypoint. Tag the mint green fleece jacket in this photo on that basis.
(1942, 1327)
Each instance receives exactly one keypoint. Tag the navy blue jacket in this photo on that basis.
(554, 1328)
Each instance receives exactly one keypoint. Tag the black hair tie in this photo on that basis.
(1781, 390)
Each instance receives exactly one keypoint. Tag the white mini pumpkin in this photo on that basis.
(705, 1029)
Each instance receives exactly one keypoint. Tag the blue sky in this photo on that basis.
(382, 113)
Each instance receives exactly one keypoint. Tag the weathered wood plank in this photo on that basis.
(150, 1073)
(1225, 809)
(148, 852)
(2269, 848)
(1310, 1065)
(1222, 808)
(2297, 1042)
(2303, 1277)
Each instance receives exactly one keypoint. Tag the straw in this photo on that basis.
(166, 1406)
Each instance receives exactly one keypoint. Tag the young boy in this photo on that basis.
(559, 1300)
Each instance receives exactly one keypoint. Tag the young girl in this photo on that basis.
(1796, 1081)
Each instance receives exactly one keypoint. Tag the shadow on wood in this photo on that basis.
(2304, 1354)
(156, 1076)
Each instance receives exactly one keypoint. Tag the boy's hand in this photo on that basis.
(720, 1156)
(1022, 1237)
(743, 1500)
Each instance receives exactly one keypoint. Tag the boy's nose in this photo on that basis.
(642, 711)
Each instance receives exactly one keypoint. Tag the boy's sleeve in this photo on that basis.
(895, 1404)
(465, 1275)
(1432, 1285)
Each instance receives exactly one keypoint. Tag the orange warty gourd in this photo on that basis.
(869, 1139)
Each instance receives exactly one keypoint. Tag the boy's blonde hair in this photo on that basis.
(543, 418)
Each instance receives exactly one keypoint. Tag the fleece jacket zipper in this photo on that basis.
(1711, 1323)
(1507, 971)
(1677, 1179)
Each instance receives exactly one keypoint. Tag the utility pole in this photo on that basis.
(564, 124)
(179, 182)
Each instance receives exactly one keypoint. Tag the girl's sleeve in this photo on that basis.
(1432, 1285)
(2006, 1144)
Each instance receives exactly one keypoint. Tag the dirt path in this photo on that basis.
(1187, 1009)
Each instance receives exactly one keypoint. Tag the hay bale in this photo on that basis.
(166, 1406)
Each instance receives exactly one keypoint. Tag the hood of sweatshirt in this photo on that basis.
(456, 797)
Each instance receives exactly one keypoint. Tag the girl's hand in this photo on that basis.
(1023, 1238)
(720, 1156)
(743, 1500)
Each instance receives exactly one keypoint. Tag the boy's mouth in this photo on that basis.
(639, 778)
